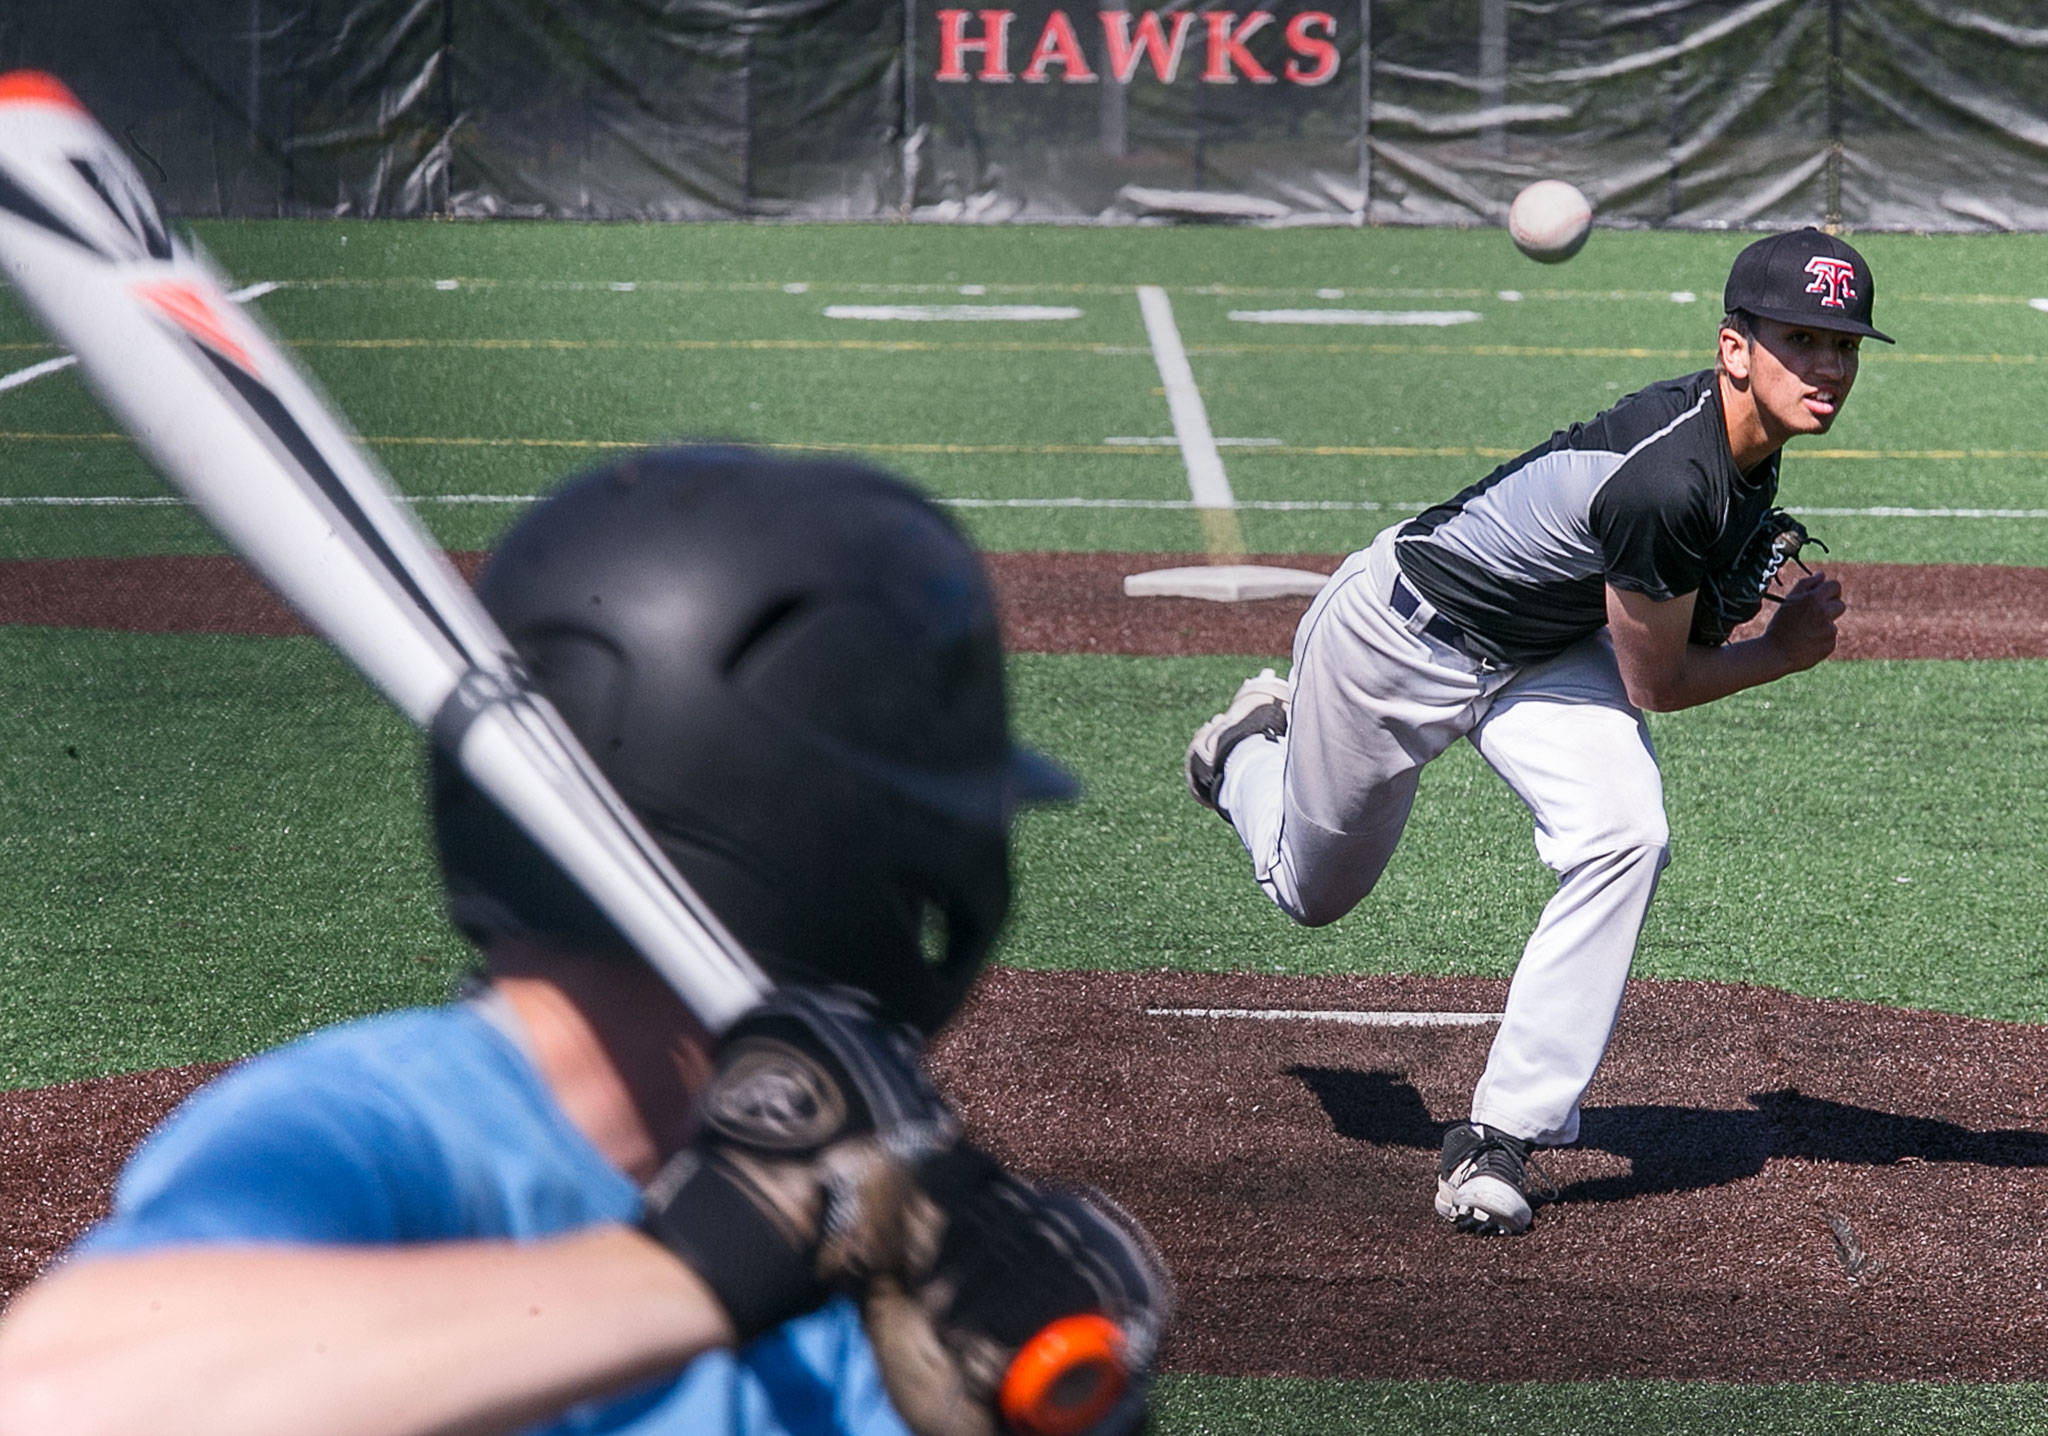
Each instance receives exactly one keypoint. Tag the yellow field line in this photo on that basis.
(438, 441)
(702, 345)
(1051, 346)
(1564, 351)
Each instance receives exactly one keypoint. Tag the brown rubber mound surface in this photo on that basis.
(1287, 1169)
(1067, 603)
(1770, 1188)
(60, 1148)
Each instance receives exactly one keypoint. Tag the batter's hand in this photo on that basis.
(1803, 628)
(1020, 1309)
(797, 1186)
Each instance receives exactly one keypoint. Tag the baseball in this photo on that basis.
(1549, 221)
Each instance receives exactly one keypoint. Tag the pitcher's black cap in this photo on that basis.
(1804, 277)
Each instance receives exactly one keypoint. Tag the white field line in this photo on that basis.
(925, 313)
(1225, 291)
(1347, 506)
(1882, 511)
(36, 371)
(1261, 505)
(1389, 318)
(1347, 1019)
(64, 361)
(90, 501)
(1206, 479)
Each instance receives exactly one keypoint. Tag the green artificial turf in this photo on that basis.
(1869, 830)
(209, 844)
(1225, 1406)
(533, 364)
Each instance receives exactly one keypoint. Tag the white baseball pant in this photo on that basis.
(1374, 699)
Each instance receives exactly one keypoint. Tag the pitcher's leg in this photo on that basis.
(1566, 996)
(1567, 741)
(1313, 873)
(1321, 810)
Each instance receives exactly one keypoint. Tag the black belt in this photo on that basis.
(1405, 601)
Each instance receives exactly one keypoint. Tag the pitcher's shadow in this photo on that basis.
(1679, 1149)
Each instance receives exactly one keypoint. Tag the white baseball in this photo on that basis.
(1549, 221)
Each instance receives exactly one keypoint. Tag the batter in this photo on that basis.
(1536, 615)
(562, 1204)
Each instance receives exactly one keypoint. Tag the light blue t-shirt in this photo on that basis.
(432, 1125)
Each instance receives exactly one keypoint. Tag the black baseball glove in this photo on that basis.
(1731, 596)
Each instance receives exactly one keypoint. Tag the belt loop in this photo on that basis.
(1408, 605)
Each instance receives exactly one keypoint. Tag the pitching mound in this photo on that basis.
(1770, 1188)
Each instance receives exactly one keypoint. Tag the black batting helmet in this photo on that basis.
(791, 672)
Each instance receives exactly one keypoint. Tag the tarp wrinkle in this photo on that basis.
(1871, 114)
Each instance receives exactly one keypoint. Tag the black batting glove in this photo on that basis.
(816, 1113)
(1020, 1310)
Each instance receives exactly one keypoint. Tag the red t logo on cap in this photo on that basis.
(1831, 280)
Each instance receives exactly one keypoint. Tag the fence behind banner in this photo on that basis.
(1877, 114)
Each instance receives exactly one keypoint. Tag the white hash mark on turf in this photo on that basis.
(1385, 318)
(925, 313)
(1349, 1019)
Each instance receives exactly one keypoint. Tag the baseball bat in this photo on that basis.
(241, 432)
(235, 426)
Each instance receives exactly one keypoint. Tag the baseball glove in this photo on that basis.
(1732, 596)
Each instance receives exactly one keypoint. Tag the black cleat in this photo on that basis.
(1483, 1181)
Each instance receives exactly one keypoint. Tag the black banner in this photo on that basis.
(1877, 114)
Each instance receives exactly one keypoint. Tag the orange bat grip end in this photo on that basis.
(1066, 1378)
(36, 88)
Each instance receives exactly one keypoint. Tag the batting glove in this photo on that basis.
(1020, 1310)
(815, 1115)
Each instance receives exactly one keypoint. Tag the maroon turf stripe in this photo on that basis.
(1064, 603)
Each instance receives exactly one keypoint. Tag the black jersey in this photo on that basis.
(1645, 496)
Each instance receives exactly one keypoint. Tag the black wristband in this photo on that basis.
(719, 1226)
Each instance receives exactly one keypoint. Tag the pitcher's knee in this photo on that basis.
(1316, 907)
(1645, 831)
(1645, 848)
(1316, 875)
